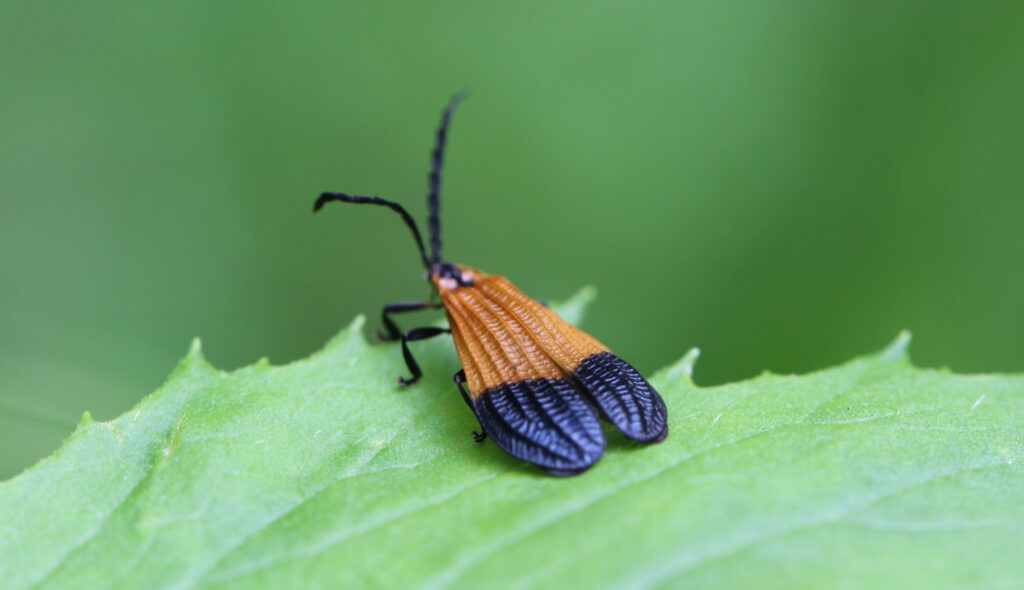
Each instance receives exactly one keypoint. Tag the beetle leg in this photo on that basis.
(460, 379)
(391, 331)
(412, 336)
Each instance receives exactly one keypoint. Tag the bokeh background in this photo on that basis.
(783, 185)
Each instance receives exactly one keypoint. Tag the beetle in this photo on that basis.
(538, 386)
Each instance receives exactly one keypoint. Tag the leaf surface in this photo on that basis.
(326, 473)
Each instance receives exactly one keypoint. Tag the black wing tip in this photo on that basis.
(546, 422)
(652, 437)
(624, 397)
(657, 429)
(568, 472)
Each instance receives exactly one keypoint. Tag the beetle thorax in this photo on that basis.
(449, 276)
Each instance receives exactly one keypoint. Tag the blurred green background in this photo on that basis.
(783, 185)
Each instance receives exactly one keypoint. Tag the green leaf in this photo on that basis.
(325, 473)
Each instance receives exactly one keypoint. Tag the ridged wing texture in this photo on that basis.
(503, 336)
(546, 422)
(627, 400)
(539, 385)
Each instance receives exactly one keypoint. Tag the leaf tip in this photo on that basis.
(357, 324)
(195, 350)
(86, 420)
(194, 359)
(898, 348)
(572, 309)
(350, 334)
(683, 368)
(585, 295)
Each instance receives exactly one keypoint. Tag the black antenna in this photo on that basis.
(433, 199)
(328, 197)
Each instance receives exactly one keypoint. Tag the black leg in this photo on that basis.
(460, 379)
(392, 331)
(413, 336)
